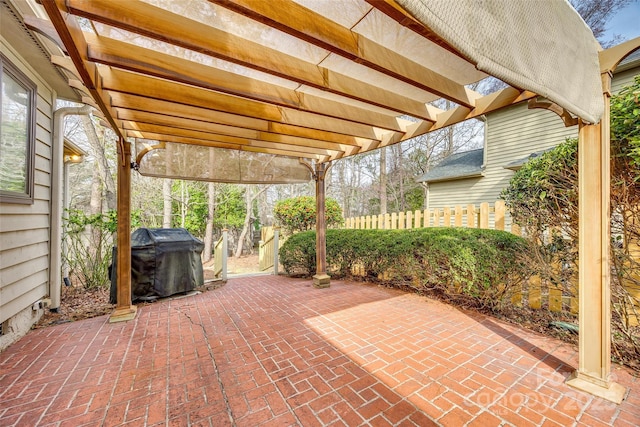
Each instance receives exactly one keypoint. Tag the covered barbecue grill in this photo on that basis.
(164, 262)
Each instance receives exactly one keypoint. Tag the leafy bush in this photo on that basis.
(89, 240)
(481, 264)
(299, 213)
(543, 197)
(625, 116)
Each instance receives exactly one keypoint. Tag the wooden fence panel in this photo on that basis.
(484, 215)
(555, 298)
(516, 297)
(535, 293)
(446, 217)
(471, 216)
(458, 216)
(499, 215)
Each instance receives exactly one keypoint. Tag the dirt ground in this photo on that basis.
(243, 265)
(77, 303)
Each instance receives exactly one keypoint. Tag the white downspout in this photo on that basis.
(57, 196)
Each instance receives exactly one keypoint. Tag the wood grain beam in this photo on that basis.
(115, 80)
(302, 23)
(168, 133)
(121, 101)
(139, 59)
(217, 144)
(144, 61)
(72, 38)
(162, 25)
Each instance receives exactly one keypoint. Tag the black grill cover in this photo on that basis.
(164, 262)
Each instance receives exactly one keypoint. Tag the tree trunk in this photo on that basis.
(184, 203)
(249, 197)
(103, 171)
(208, 234)
(166, 203)
(247, 220)
(399, 167)
(383, 180)
(95, 208)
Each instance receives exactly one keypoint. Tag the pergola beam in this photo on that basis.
(162, 25)
(131, 57)
(304, 24)
(145, 61)
(214, 128)
(217, 144)
(235, 123)
(72, 37)
(115, 80)
(163, 133)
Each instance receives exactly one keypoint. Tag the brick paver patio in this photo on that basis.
(274, 351)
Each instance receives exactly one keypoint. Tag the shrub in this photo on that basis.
(299, 213)
(483, 265)
(89, 240)
(543, 197)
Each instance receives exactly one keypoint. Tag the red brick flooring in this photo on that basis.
(274, 351)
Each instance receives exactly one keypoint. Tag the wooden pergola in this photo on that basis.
(314, 81)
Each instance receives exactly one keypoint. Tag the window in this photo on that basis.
(17, 134)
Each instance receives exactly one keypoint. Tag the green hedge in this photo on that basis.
(481, 264)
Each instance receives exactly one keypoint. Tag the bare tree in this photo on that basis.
(383, 180)
(250, 195)
(597, 14)
(166, 203)
(102, 174)
(211, 210)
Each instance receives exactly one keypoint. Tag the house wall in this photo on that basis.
(511, 134)
(623, 78)
(25, 229)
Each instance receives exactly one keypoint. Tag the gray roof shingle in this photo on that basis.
(457, 166)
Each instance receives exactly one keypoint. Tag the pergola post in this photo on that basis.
(321, 278)
(124, 309)
(593, 374)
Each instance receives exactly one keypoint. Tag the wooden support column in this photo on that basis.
(593, 374)
(321, 279)
(124, 309)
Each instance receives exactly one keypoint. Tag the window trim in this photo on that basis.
(6, 66)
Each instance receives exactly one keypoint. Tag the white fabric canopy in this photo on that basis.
(557, 59)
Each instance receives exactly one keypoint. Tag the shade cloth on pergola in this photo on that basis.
(299, 83)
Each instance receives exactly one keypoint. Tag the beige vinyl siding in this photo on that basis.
(512, 134)
(622, 79)
(25, 229)
(451, 193)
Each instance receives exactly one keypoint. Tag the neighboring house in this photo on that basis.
(28, 155)
(512, 136)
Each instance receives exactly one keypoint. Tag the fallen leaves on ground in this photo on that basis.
(77, 303)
